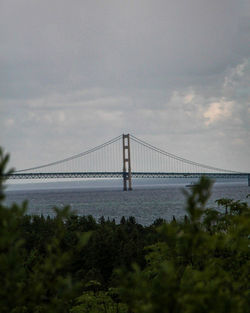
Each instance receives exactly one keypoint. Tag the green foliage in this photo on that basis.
(32, 282)
(12, 272)
(4, 159)
(96, 300)
(201, 264)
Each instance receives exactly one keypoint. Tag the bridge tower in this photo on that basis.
(126, 163)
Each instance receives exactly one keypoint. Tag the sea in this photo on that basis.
(149, 200)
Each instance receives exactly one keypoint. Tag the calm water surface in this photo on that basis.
(146, 202)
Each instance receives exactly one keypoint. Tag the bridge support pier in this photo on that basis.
(127, 180)
(248, 179)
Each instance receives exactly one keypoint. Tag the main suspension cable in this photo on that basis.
(173, 156)
(72, 157)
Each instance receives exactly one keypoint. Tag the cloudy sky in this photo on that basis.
(76, 73)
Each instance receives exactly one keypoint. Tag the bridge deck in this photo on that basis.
(121, 174)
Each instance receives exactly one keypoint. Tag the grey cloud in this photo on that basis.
(75, 73)
(135, 44)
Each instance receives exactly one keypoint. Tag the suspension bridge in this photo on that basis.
(128, 157)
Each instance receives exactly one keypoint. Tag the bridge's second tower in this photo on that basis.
(126, 163)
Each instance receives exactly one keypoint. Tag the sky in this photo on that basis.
(74, 74)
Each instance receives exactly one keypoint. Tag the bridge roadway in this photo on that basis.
(121, 174)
